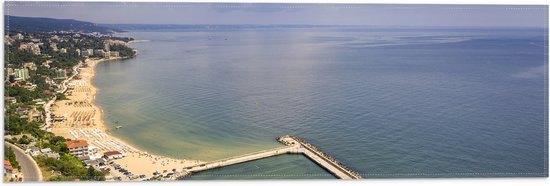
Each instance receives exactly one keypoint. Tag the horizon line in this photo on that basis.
(320, 25)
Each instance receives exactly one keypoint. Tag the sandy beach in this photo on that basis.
(82, 119)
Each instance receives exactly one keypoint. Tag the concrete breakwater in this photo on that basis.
(321, 158)
(294, 145)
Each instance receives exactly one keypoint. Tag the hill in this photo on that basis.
(36, 24)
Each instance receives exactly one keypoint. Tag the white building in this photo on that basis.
(114, 54)
(113, 155)
(78, 148)
(22, 74)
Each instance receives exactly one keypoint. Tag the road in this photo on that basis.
(31, 171)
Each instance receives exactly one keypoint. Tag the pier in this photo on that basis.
(294, 145)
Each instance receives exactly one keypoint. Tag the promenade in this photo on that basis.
(47, 125)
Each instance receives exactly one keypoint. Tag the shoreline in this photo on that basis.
(84, 120)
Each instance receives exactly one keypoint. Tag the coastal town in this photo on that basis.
(55, 128)
(51, 117)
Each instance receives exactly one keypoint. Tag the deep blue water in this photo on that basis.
(405, 103)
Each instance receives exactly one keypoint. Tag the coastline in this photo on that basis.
(84, 120)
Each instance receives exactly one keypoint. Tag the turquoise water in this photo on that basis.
(387, 103)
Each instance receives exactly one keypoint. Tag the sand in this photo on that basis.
(83, 120)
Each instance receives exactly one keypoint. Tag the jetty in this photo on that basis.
(293, 145)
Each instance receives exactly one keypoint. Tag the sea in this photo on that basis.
(392, 102)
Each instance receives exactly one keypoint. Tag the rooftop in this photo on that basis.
(76, 143)
(110, 153)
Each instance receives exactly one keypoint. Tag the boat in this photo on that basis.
(118, 127)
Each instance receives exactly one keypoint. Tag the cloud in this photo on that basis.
(277, 13)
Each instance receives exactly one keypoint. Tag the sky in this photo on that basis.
(311, 14)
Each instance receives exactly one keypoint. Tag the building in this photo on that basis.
(63, 50)
(92, 152)
(53, 46)
(11, 100)
(18, 36)
(84, 53)
(90, 51)
(35, 49)
(39, 101)
(9, 71)
(115, 42)
(33, 151)
(61, 74)
(30, 47)
(9, 171)
(30, 66)
(99, 52)
(78, 148)
(77, 51)
(33, 115)
(87, 52)
(49, 153)
(107, 55)
(8, 40)
(114, 54)
(50, 81)
(53, 155)
(29, 86)
(98, 164)
(21, 111)
(106, 47)
(45, 150)
(46, 63)
(113, 155)
(21, 74)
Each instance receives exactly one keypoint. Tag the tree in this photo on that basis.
(10, 156)
(57, 140)
(24, 141)
(61, 97)
(63, 148)
(70, 168)
(95, 175)
(123, 51)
